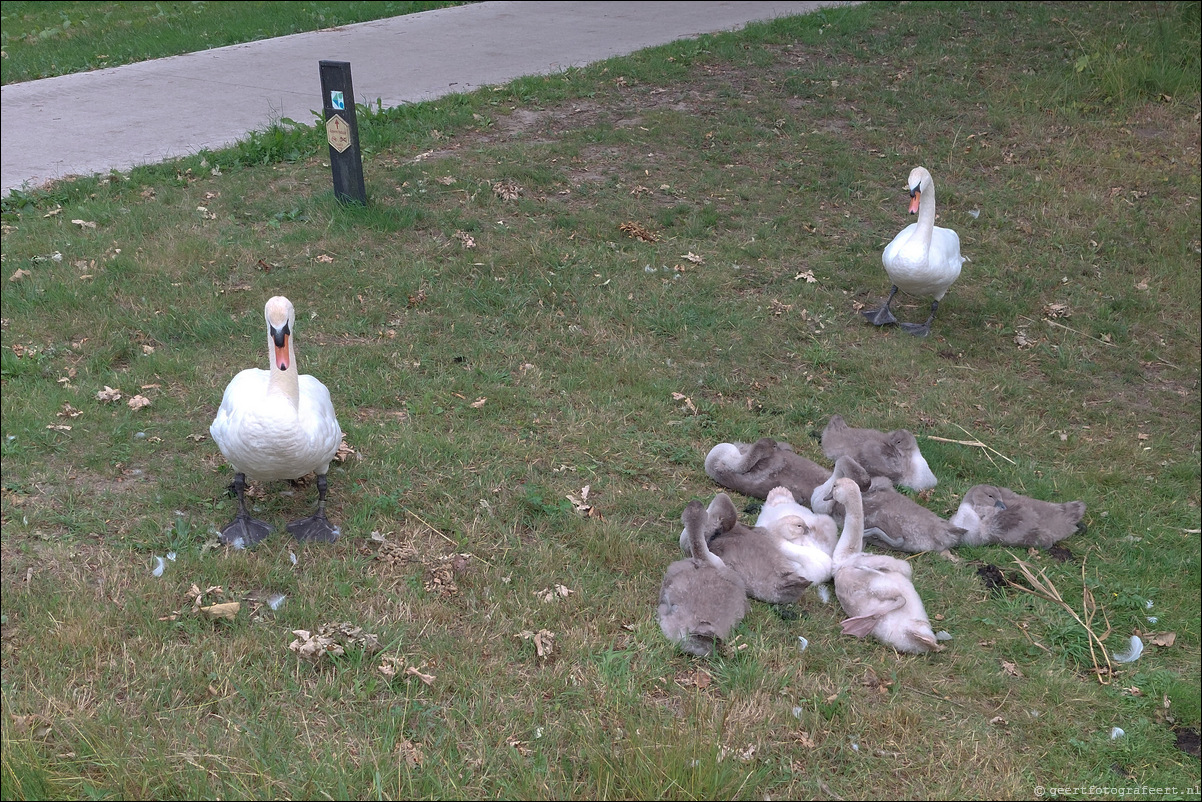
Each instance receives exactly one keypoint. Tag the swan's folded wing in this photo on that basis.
(872, 607)
(859, 625)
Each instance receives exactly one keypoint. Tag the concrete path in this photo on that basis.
(117, 118)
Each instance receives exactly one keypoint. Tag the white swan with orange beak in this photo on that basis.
(277, 424)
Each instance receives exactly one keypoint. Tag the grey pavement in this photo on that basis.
(122, 117)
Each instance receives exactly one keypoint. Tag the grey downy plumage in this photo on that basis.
(701, 599)
(753, 469)
(991, 514)
(893, 454)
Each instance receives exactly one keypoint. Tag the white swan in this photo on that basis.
(924, 259)
(276, 424)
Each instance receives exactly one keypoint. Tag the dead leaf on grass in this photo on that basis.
(1164, 639)
(688, 402)
(84, 223)
(1010, 669)
(581, 503)
(410, 752)
(426, 678)
(550, 594)
(465, 239)
(697, 679)
(108, 394)
(694, 258)
(324, 259)
(308, 646)
(390, 666)
(344, 451)
(544, 642)
(638, 232)
(521, 747)
(226, 610)
(808, 275)
(20, 274)
(507, 190)
(138, 401)
(332, 639)
(38, 726)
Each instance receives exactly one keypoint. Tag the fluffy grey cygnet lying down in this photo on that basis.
(701, 599)
(756, 554)
(875, 589)
(893, 454)
(990, 514)
(891, 519)
(753, 469)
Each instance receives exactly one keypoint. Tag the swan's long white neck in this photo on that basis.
(926, 211)
(851, 541)
(284, 382)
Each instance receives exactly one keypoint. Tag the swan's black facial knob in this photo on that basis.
(280, 335)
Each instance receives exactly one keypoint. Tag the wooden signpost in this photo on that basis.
(342, 131)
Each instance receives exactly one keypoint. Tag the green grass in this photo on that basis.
(480, 386)
(42, 40)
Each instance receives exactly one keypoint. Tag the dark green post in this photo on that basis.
(342, 131)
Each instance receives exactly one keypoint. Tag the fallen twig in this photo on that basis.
(438, 532)
(1033, 641)
(977, 443)
(1042, 586)
(1051, 322)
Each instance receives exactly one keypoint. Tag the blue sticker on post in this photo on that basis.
(336, 100)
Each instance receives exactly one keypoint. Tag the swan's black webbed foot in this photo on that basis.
(314, 528)
(881, 316)
(924, 329)
(244, 532)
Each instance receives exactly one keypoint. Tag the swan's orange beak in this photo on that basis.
(281, 354)
(914, 196)
(279, 338)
